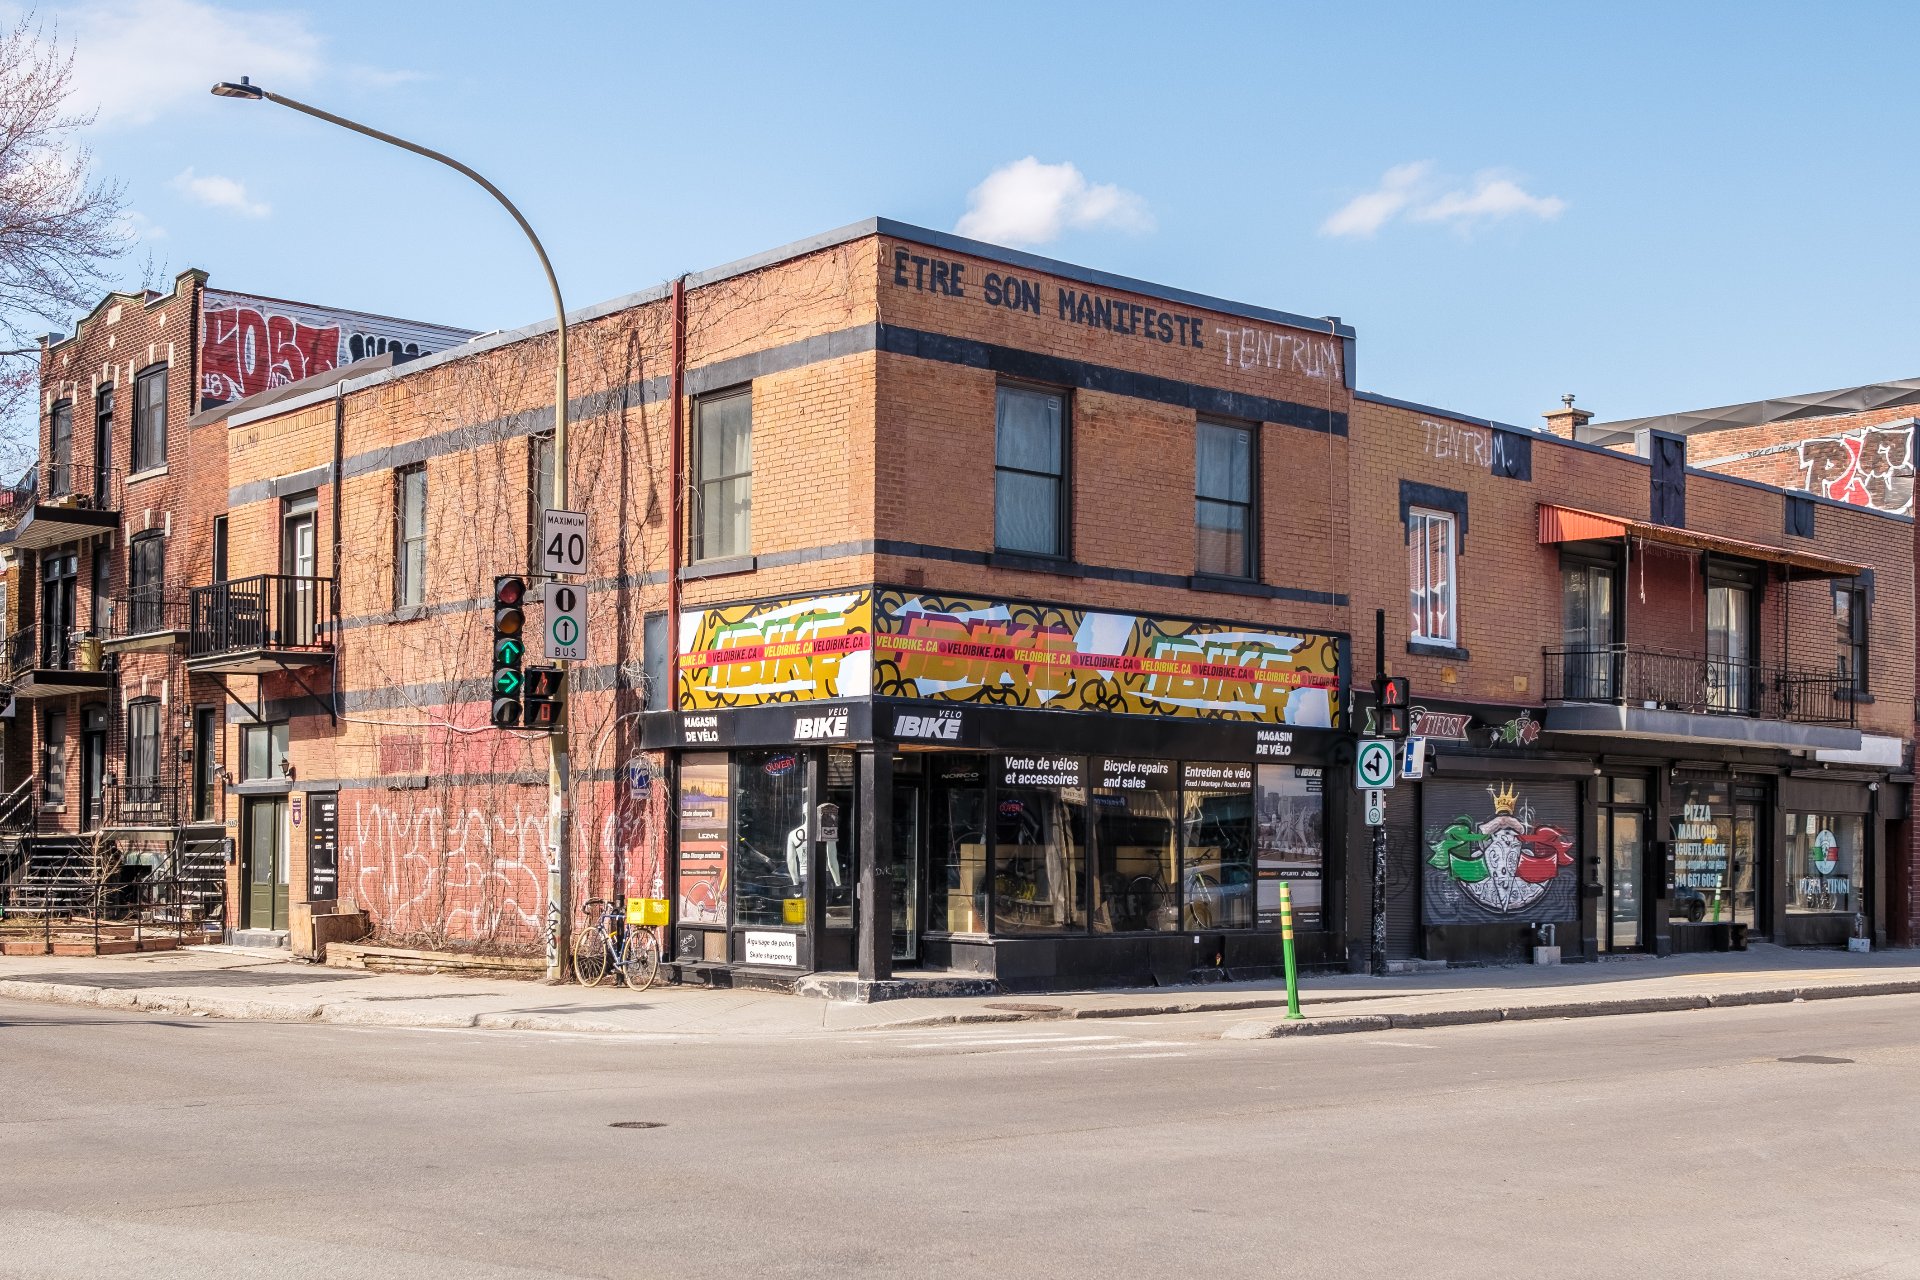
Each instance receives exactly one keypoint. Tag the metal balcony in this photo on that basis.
(63, 502)
(53, 662)
(1692, 684)
(146, 618)
(268, 622)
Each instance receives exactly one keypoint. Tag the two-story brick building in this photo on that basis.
(1031, 602)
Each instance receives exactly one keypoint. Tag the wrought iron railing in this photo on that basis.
(141, 802)
(64, 483)
(266, 611)
(43, 648)
(146, 611)
(1696, 683)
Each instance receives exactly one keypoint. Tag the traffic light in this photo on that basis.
(509, 646)
(546, 697)
(1395, 692)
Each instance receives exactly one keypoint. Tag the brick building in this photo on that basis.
(1032, 601)
(115, 750)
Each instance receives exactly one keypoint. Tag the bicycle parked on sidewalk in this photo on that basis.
(610, 943)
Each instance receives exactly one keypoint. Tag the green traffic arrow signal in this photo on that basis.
(507, 650)
(506, 681)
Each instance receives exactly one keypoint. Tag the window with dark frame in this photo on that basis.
(1850, 614)
(150, 419)
(103, 446)
(219, 548)
(205, 735)
(143, 752)
(102, 585)
(1225, 524)
(263, 752)
(1431, 566)
(410, 536)
(1030, 472)
(146, 584)
(539, 489)
(53, 760)
(60, 451)
(723, 483)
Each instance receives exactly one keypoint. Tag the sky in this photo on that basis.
(1655, 207)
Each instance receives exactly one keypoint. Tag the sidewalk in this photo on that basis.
(232, 982)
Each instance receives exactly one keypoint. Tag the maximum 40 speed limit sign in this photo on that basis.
(563, 541)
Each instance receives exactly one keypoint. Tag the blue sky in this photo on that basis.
(1657, 207)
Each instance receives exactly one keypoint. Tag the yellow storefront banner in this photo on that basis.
(955, 649)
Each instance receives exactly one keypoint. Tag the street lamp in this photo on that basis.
(559, 777)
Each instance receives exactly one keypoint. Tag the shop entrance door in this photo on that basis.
(907, 798)
(1620, 848)
(265, 870)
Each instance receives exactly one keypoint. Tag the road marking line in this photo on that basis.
(970, 1040)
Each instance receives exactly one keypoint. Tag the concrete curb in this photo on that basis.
(1259, 1029)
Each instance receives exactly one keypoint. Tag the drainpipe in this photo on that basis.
(676, 418)
(339, 455)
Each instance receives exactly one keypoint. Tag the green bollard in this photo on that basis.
(1286, 949)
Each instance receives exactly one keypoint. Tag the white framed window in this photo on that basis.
(1431, 565)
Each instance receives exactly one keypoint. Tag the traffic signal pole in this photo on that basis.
(1378, 960)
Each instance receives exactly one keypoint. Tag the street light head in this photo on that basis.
(245, 89)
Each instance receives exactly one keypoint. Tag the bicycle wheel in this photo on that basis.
(590, 949)
(640, 959)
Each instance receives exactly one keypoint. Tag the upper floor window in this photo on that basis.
(143, 751)
(1030, 471)
(263, 751)
(53, 760)
(60, 451)
(410, 536)
(723, 458)
(150, 418)
(1223, 499)
(539, 488)
(146, 584)
(219, 549)
(1431, 565)
(1850, 621)
(102, 444)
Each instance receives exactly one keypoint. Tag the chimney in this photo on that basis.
(1566, 422)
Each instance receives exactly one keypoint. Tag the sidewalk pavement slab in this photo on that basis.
(231, 982)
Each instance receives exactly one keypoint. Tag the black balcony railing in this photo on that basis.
(267, 611)
(1698, 684)
(146, 611)
(43, 648)
(64, 483)
(141, 802)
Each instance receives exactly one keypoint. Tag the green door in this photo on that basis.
(266, 869)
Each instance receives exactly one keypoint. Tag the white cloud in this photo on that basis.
(137, 226)
(1412, 190)
(219, 193)
(1492, 198)
(1365, 214)
(1030, 203)
(137, 60)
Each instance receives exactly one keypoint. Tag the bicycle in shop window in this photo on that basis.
(616, 941)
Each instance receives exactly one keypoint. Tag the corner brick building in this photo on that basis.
(1037, 606)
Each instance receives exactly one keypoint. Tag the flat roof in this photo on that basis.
(1756, 413)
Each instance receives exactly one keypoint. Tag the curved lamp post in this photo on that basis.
(558, 773)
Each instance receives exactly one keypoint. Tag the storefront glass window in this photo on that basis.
(1715, 845)
(1826, 862)
(1292, 844)
(836, 854)
(1037, 845)
(770, 844)
(703, 838)
(957, 844)
(1134, 803)
(1218, 882)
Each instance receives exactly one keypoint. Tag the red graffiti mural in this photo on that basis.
(244, 352)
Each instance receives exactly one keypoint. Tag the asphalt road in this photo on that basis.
(1684, 1144)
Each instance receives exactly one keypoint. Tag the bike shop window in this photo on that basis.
(705, 823)
(836, 854)
(1826, 862)
(143, 752)
(1291, 841)
(1037, 855)
(723, 481)
(146, 583)
(1030, 471)
(410, 536)
(60, 451)
(1217, 882)
(771, 838)
(1850, 621)
(1134, 846)
(1431, 562)
(957, 843)
(150, 418)
(263, 752)
(53, 760)
(1226, 531)
(539, 488)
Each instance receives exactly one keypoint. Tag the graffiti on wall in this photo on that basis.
(1514, 863)
(1871, 467)
(249, 345)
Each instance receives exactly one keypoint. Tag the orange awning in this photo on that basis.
(1570, 524)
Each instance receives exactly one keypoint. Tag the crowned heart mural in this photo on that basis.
(1511, 865)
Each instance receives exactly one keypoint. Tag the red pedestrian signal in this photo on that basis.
(545, 698)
